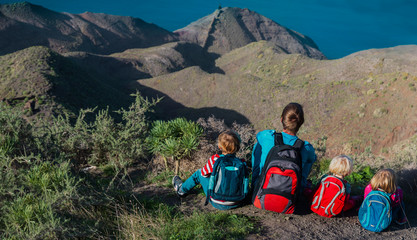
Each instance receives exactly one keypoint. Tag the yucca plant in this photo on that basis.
(174, 139)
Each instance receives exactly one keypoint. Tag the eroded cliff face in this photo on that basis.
(230, 28)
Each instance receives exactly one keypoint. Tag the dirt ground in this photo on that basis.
(305, 225)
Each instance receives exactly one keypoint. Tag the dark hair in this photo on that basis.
(292, 117)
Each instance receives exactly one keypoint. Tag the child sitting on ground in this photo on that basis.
(333, 194)
(385, 180)
(229, 144)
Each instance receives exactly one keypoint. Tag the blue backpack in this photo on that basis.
(229, 180)
(375, 213)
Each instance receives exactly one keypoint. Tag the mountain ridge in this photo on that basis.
(26, 24)
(230, 28)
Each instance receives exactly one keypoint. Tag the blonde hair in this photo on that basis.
(341, 165)
(229, 142)
(384, 179)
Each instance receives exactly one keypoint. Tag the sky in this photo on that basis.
(338, 27)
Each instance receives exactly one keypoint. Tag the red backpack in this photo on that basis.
(279, 182)
(329, 199)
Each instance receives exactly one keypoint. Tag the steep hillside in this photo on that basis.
(141, 63)
(23, 25)
(365, 100)
(230, 28)
(41, 80)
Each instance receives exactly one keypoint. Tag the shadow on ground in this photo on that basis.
(168, 108)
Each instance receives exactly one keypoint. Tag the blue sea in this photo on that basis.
(339, 27)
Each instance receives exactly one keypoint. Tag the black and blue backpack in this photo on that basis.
(229, 180)
(375, 213)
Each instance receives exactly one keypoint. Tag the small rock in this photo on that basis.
(87, 169)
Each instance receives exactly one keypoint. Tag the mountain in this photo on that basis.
(230, 28)
(42, 81)
(24, 24)
(362, 102)
(365, 100)
(140, 63)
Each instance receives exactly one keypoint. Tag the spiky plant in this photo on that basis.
(175, 139)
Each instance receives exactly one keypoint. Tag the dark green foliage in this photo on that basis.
(320, 167)
(360, 178)
(33, 197)
(41, 197)
(175, 138)
(102, 141)
(15, 132)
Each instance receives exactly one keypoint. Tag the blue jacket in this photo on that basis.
(265, 141)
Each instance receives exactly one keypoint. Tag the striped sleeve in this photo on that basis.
(208, 168)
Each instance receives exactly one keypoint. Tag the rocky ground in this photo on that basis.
(305, 225)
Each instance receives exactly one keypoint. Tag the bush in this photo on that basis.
(103, 141)
(15, 132)
(40, 197)
(33, 198)
(175, 139)
(360, 178)
(213, 127)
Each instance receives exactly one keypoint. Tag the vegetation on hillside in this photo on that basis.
(69, 178)
(47, 190)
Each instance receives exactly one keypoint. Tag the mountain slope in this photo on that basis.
(49, 82)
(134, 64)
(360, 101)
(230, 28)
(23, 25)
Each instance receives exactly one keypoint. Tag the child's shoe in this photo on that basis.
(401, 221)
(177, 182)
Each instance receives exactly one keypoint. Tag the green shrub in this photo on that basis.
(175, 139)
(32, 207)
(360, 178)
(15, 133)
(320, 167)
(103, 141)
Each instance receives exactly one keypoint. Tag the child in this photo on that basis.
(333, 194)
(385, 180)
(229, 144)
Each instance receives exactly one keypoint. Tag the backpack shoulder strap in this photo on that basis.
(298, 144)
(216, 163)
(278, 139)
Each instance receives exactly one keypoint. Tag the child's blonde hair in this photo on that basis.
(229, 142)
(384, 179)
(341, 165)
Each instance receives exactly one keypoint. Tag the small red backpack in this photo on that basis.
(329, 198)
